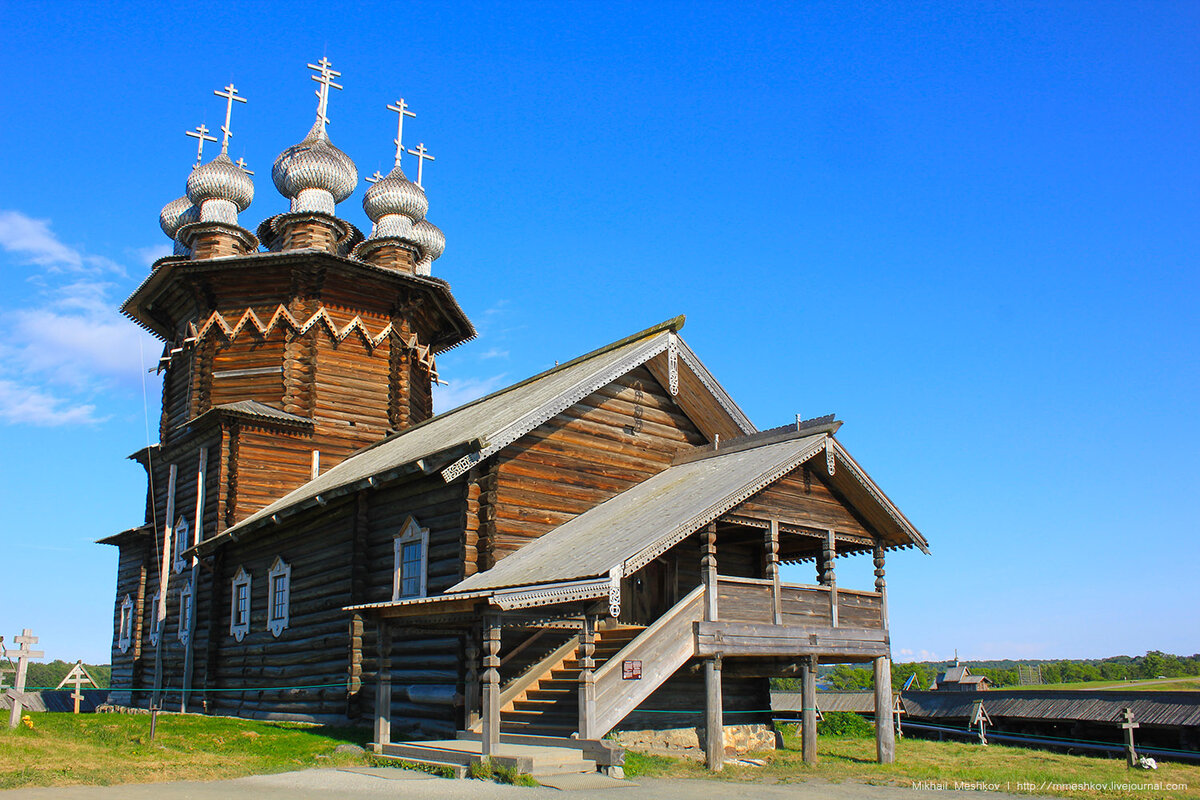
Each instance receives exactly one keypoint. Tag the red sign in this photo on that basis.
(631, 670)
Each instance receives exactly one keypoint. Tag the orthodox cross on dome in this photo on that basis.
(241, 162)
(422, 156)
(376, 178)
(326, 80)
(230, 94)
(401, 109)
(201, 136)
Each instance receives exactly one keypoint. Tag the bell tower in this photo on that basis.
(289, 350)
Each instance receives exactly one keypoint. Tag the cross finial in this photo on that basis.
(201, 136)
(326, 80)
(422, 156)
(401, 109)
(241, 162)
(376, 178)
(230, 94)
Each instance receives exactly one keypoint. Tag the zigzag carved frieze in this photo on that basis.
(282, 318)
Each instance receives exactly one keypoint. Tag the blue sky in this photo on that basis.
(969, 229)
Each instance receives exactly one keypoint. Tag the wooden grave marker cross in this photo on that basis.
(1129, 725)
(24, 653)
(979, 716)
(77, 676)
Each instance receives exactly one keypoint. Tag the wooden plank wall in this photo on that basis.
(613, 439)
(133, 564)
(804, 500)
(269, 464)
(248, 351)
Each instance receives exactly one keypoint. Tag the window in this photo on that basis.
(239, 616)
(279, 579)
(125, 628)
(411, 552)
(185, 613)
(154, 619)
(181, 543)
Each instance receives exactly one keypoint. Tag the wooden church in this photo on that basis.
(594, 548)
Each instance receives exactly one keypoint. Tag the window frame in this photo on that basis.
(186, 600)
(178, 535)
(411, 531)
(154, 627)
(125, 625)
(277, 622)
(238, 630)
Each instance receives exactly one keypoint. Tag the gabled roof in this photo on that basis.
(624, 533)
(455, 441)
(631, 529)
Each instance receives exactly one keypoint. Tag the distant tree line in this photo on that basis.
(1155, 664)
(49, 673)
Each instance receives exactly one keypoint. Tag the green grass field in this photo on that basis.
(1191, 684)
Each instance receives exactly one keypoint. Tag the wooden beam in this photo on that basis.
(881, 584)
(708, 570)
(885, 735)
(808, 713)
(491, 684)
(383, 686)
(772, 548)
(714, 723)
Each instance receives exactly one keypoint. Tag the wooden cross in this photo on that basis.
(23, 655)
(241, 162)
(979, 716)
(1129, 725)
(326, 80)
(78, 675)
(230, 94)
(422, 156)
(401, 109)
(201, 136)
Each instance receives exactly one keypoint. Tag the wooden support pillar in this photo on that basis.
(472, 694)
(881, 585)
(829, 576)
(383, 685)
(808, 713)
(587, 678)
(772, 568)
(714, 721)
(885, 735)
(708, 570)
(491, 684)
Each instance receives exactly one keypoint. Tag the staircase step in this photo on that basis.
(557, 695)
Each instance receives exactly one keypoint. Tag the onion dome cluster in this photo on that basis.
(314, 174)
(175, 215)
(220, 189)
(397, 207)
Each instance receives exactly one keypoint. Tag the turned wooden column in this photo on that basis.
(771, 568)
(829, 576)
(881, 586)
(587, 678)
(383, 686)
(491, 684)
(885, 735)
(808, 704)
(708, 570)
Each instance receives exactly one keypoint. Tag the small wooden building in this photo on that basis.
(959, 679)
(585, 549)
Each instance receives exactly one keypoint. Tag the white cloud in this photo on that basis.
(33, 240)
(495, 352)
(68, 343)
(455, 394)
(28, 405)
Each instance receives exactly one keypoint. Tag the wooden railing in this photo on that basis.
(754, 600)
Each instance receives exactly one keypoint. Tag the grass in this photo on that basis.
(1004, 769)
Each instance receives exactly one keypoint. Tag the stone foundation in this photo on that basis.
(690, 742)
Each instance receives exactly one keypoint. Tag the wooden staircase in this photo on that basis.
(549, 706)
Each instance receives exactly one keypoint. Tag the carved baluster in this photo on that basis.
(881, 586)
(491, 685)
(473, 689)
(587, 678)
(772, 568)
(708, 569)
(829, 576)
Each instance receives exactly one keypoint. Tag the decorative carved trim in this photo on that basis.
(673, 364)
(830, 466)
(553, 593)
(614, 592)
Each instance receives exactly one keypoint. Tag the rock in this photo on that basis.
(739, 739)
(353, 749)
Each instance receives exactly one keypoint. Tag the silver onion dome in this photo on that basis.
(395, 194)
(314, 174)
(220, 189)
(432, 241)
(171, 216)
